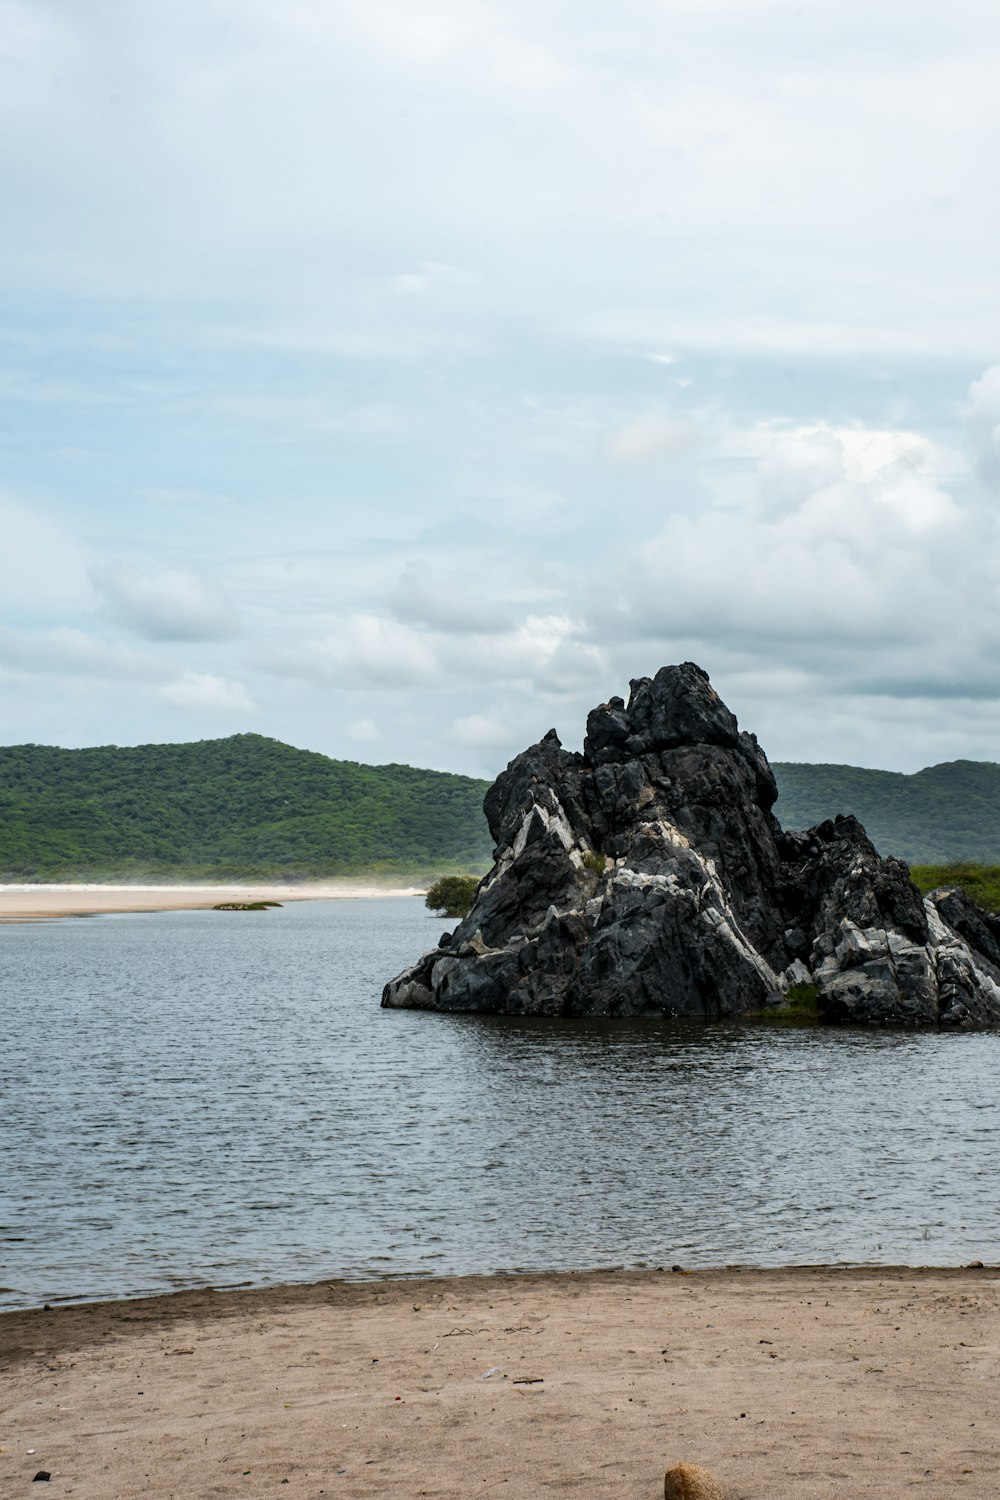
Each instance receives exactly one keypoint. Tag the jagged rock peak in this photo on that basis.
(649, 876)
(678, 706)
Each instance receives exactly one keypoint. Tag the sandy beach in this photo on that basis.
(790, 1385)
(41, 903)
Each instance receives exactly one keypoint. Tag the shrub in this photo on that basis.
(800, 1007)
(803, 999)
(245, 905)
(595, 862)
(452, 895)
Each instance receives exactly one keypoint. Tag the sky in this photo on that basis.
(399, 380)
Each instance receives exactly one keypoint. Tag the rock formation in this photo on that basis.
(649, 877)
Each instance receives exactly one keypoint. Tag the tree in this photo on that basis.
(452, 895)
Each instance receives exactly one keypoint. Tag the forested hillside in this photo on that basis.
(253, 807)
(944, 813)
(244, 806)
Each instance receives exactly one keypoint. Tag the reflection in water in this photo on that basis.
(200, 1097)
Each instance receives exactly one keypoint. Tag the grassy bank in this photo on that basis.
(980, 882)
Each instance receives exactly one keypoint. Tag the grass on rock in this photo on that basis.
(980, 882)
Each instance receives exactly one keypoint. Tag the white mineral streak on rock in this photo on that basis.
(443, 966)
(726, 927)
(639, 880)
(409, 993)
(797, 973)
(554, 821)
(856, 947)
(946, 942)
(851, 954)
(720, 918)
(521, 837)
(849, 947)
(942, 936)
(674, 836)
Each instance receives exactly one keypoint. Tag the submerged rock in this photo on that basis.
(649, 877)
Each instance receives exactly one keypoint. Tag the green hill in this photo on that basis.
(942, 814)
(246, 807)
(252, 807)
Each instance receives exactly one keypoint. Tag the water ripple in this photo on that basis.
(196, 1099)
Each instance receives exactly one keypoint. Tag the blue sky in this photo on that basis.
(399, 379)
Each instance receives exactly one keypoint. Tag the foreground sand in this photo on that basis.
(787, 1384)
(39, 903)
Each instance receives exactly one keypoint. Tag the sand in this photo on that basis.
(39, 903)
(804, 1383)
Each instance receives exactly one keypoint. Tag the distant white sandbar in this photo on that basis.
(40, 903)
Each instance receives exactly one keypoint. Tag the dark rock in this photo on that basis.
(649, 876)
(43, 1475)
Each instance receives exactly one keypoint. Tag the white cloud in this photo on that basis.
(481, 730)
(65, 651)
(365, 731)
(364, 651)
(175, 604)
(794, 466)
(495, 737)
(41, 563)
(781, 185)
(400, 280)
(550, 652)
(174, 497)
(651, 436)
(841, 561)
(479, 37)
(741, 333)
(547, 654)
(206, 693)
(454, 601)
(982, 423)
(434, 276)
(836, 469)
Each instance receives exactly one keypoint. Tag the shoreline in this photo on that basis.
(229, 1299)
(167, 1303)
(43, 903)
(792, 1384)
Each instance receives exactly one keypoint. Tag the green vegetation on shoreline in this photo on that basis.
(980, 882)
(452, 895)
(245, 808)
(799, 1007)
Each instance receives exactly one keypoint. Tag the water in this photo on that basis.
(195, 1098)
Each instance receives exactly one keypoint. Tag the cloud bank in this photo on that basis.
(176, 604)
(403, 378)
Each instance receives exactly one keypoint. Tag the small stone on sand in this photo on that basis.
(691, 1482)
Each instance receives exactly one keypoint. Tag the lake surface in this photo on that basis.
(192, 1098)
